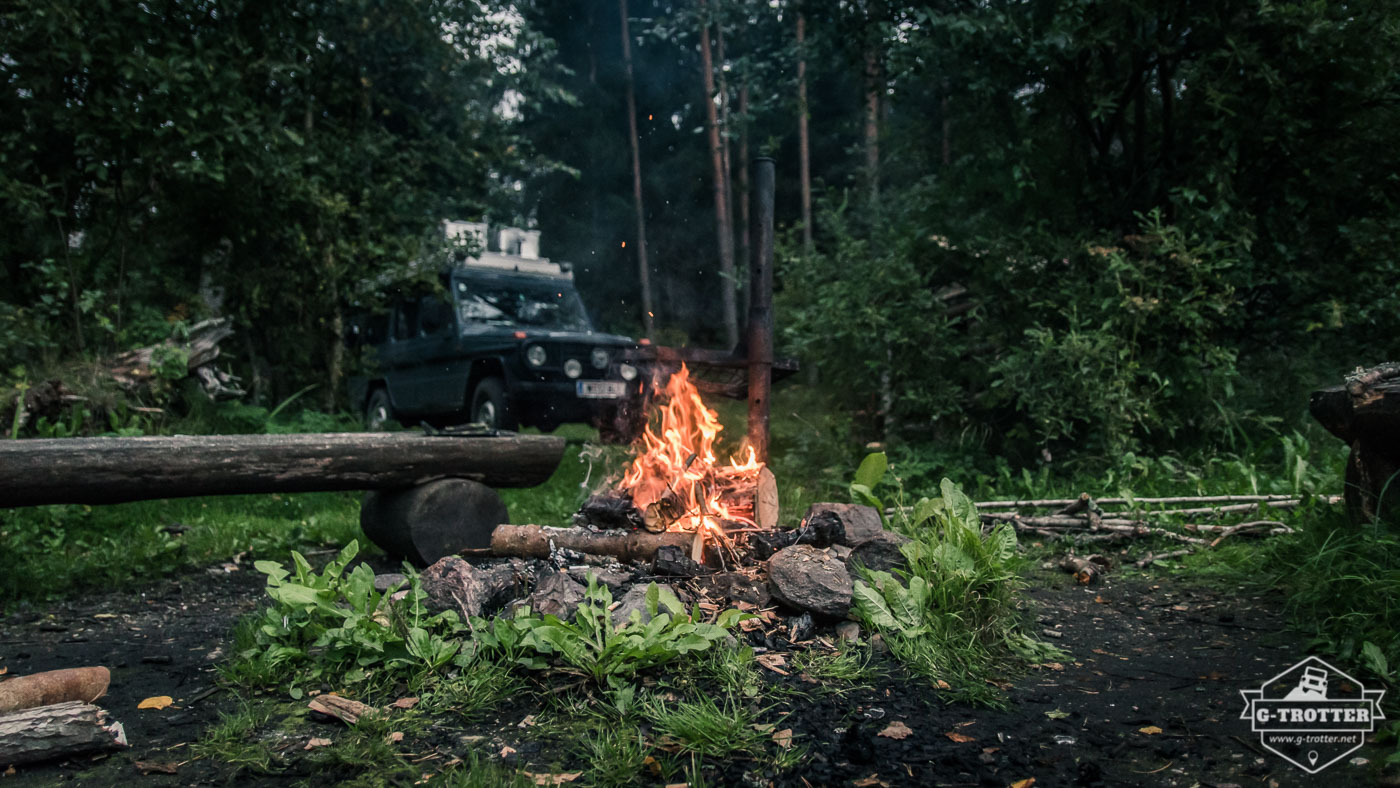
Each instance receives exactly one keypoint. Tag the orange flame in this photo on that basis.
(680, 460)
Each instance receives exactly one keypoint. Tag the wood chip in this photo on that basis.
(870, 782)
(346, 710)
(314, 743)
(404, 703)
(1150, 730)
(896, 730)
(773, 662)
(959, 737)
(783, 738)
(156, 767)
(554, 779)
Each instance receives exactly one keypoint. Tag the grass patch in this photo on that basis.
(235, 740)
(706, 728)
(844, 669)
(481, 688)
(48, 551)
(616, 756)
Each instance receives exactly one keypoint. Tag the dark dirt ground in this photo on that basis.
(1160, 651)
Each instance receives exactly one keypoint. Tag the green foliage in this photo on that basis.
(952, 616)
(593, 647)
(235, 741)
(332, 624)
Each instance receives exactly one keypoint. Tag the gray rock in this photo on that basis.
(859, 522)
(389, 580)
(848, 631)
(736, 587)
(880, 553)
(615, 581)
(452, 584)
(556, 595)
(808, 579)
(636, 599)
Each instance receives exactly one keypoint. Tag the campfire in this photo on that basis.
(680, 513)
(679, 485)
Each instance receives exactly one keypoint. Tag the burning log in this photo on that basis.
(537, 541)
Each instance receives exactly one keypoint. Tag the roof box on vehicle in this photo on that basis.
(519, 250)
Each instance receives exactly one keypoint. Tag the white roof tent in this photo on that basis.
(516, 249)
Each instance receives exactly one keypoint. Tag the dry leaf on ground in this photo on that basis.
(870, 782)
(958, 737)
(158, 702)
(404, 703)
(317, 742)
(896, 730)
(783, 738)
(1026, 783)
(156, 767)
(1150, 730)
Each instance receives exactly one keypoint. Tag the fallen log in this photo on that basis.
(57, 731)
(537, 541)
(1043, 503)
(1086, 570)
(114, 470)
(1151, 558)
(53, 686)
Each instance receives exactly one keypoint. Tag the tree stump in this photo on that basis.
(1365, 412)
(433, 520)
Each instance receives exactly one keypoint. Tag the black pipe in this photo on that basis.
(761, 305)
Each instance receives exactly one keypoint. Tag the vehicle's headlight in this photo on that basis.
(600, 358)
(628, 371)
(573, 368)
(536, 356)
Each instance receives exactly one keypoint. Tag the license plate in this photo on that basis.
(601, 389)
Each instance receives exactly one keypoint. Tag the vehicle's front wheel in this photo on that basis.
(491, 407)
(378, 411)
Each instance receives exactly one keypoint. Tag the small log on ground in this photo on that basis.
(57, 731)
(1086, 570)
(54, 686)
(433, 520)
(536, 541)
(114, 470)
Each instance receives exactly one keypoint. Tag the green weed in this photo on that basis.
(615, 756)
(591, 646)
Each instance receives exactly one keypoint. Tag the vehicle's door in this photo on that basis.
(433, 372)
(397, 360)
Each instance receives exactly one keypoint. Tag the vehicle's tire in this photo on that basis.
(491, 407)
(378, 411)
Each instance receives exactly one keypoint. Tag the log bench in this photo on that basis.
(1365, 412)
(428, 496)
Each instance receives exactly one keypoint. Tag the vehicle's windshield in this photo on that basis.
(521, 303)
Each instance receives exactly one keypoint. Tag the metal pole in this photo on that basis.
(761, 306)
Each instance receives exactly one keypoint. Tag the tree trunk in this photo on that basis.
(112, 470)
(804, 150)
(724, 126)
(63, 729)
(745, 254)
(722, 226)
(947, 125)
(873, 86)
(643, 267)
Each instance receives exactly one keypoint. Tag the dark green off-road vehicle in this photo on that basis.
(507, 344)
